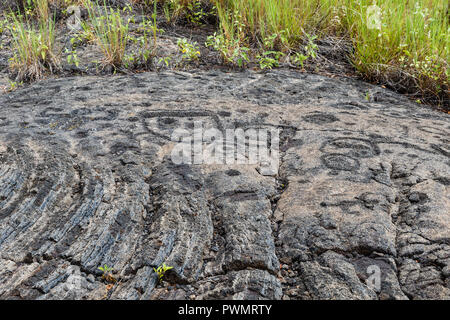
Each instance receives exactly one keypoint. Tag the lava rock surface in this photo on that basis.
(86, 179)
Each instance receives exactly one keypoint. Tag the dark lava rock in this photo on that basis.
(86, 179)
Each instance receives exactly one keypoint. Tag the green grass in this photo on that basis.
(193, 11)
(33, 44)
(288, 19)
(409, 50)
(110, 31)
(411, 43)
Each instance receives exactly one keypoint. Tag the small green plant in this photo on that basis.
(299, 59)
(190, 51)
(195, 12)
(147, 28)
(72, 57)
(310, 51)
(3, 25)
(161, 271)
(154, 25)
(269, 59)
(311, 47)
(147, 45)
(13, 85)
(85, 35)
(231, 50)
(105, 269)
(276, 42)
(107, 273)
(172, 10)
(164, 61)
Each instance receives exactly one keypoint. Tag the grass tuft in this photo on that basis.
(409, 48)
(33, 43)
(110, 31)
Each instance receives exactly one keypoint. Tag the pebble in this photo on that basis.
(90, 278)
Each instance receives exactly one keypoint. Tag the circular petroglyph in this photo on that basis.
(232, 173)
(353, 147)
(167, 121)
(341, 162)
(320, 118)
(164, 122)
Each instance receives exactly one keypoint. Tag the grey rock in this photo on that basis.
(87, 179)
